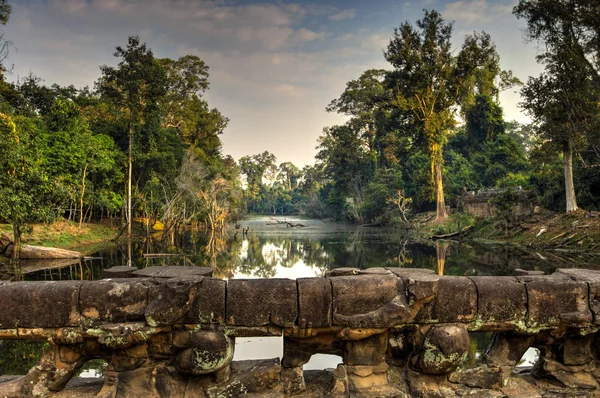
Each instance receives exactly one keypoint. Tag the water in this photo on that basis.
(272, 250)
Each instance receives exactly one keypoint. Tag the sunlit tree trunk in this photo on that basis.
(569, 186)
(436, 169)
(130, 162)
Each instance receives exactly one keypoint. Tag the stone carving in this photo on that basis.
(170, 332)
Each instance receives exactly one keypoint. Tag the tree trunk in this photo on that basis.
(130, 162)
(81, 197)
(17, 242)
(440, 210)
(569, 186)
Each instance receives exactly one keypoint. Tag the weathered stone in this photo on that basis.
(592, 278)
(507, 349)
(48, 375)
(208, 352)
(258, 302)
(410, 272)
(373, 271)
(119, 271)
(362, 377)
(523, 272)
(250, 377)
(421, 286)
(172, 271)
(209, 305)
(315, 302)
(341, 272)
(39, 304)
(487, 377)
(68, 354)
(556, 301)
(151, 382)
(254, 331)
(456, 301)
(372, 301)
(402, 344)
(370, 351)
(500, 300)
(444, 349)
(114, 300)
(293, 380)
(519, 388)
(570, 376)
(173, 300)
(429, 386)
(160, 345)
(576, 350)
(478, 393)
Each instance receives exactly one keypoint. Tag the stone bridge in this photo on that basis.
(170, 332)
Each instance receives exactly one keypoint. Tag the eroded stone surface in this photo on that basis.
(369, 301)
(455, 301)
(445, 347)
(39, 304)
(114, 300)
(500, 300)
(553, 301)
(259, 302)
(315, 302)
(172, 300)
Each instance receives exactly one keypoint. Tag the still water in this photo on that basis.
(276, 250)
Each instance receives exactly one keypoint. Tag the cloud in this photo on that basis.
(344, 14)
(473, 11)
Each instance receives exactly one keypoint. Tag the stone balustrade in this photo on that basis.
(170, 332)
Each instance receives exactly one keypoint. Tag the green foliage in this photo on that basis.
(67, 149)
(504, 204)
(456, 222)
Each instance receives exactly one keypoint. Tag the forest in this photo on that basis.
(144, 145)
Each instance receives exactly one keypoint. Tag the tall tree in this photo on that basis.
(563, 100)
(135, 84)
(427, 83)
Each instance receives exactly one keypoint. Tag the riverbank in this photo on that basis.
(67, 235)
(545, 230)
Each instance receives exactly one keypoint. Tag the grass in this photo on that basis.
(67, 235)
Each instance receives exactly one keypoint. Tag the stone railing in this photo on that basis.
(170, 332)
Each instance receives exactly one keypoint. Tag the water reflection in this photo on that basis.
(269, 251)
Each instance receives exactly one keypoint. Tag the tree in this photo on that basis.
(289, 175)
(24, 197)
(563, 100)
(5, 11)
(362, 100)
(135, 84)
(427, 83)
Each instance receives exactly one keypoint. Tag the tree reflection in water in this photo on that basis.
(266, 252)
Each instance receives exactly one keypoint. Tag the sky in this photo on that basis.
(274, 65)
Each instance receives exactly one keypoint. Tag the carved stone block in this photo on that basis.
(259, 302)
(315, 302)
(114, 300)
(39, 304)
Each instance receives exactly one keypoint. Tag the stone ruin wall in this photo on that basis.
(170, 332)
(477, 203)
